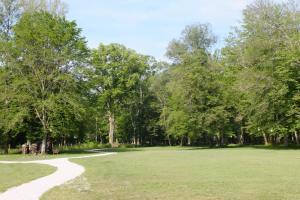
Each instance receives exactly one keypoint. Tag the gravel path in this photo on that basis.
(33, 190)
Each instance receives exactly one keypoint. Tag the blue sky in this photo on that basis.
(148, 25)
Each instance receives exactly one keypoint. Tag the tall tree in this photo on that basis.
(194, 39)
(266, 46)
(116, 75)
(49, 50)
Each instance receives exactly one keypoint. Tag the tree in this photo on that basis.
(11, 114)
(194, 39)
(265, 47)
(49, 50)
(116, 76)
(54, 7)
(193, 101)
(13, 109)
(9, 14)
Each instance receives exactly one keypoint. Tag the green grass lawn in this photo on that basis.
(29, 157)
(187, 173)
(16, 174)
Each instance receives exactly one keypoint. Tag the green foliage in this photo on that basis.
(47, 52)
(266, 47)
(119, 79)
(53, 88)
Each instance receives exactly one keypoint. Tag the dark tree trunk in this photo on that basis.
(6, 146)
(286, 140)
(6, 143)
(221, 139)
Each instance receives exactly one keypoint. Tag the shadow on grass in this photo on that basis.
(68, 152)
(85, 151)
(265, 147)
(135, 149)
(277, 147)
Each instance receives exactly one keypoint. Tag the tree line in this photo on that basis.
(54, 89)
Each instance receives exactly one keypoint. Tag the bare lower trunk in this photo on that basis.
(111, 120)
(286, 140)
(181, 141)
(6, 147)
(265, 139)
(241, 137)
(296, 137)
(189, 141)
(44, 145)
(277, 139)
(6, 144)
(100, 138)
(43, 118)
(169, 140)
(221, 140)
(96, 131)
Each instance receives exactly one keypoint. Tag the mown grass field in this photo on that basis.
(187, 173)
(16, 174)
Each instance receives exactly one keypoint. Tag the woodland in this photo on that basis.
(55, 90)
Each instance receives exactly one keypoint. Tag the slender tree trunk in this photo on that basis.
(111, 120)
(277, 139)
(96, 130)
(6, 144)
(44, 145)
(209, 139)
(241, 137)
(189, 140)
(296, 137)
(134, 130)
(169, 140)
(45, 137)
(286, 140)
(5, 148)
(43, 118)
(216, 139)
(221, 139)
(265, 139)
(181, 141)
(100, 138)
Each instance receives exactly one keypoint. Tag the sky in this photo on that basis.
(147, 26)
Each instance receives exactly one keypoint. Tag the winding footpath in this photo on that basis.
(33, 190)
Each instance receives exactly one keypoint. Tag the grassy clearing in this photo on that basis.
(63, 154)
(29, 157)
(16, 174)
(187, 173)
